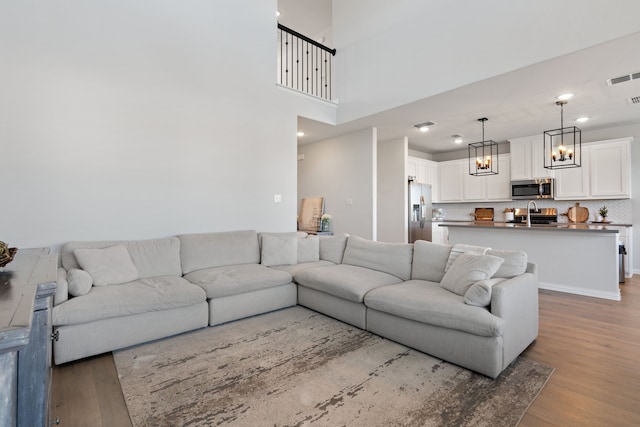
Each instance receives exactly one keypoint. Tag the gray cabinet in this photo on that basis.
(27, 286)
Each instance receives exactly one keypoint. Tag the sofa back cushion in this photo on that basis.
(152, 258)
(332, 247)
(308, 249)
(429, 260)
(207, 250)
(107, 266)
(391, 258)
(278, 250)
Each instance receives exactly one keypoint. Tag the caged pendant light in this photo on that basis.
(483, 156)
(562, 147)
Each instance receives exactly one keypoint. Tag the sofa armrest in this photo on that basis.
(516, 302)
(62, 287)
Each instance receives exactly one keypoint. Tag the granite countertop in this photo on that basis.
(559, 226)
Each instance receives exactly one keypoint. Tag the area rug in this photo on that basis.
(295, 367)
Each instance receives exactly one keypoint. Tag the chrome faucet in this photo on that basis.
(529, 211)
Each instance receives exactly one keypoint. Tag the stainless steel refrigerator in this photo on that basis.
(419, 211)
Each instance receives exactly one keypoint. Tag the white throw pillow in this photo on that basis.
(108, 266)
(515, 262)
(309, 249)
(479, 294)
(279, 250)
(468, 269)
(462, 248)
(79, 282)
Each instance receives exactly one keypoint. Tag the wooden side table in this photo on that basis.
(27, 286)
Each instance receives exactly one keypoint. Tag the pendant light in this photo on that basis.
(483, 156)
(562, 147)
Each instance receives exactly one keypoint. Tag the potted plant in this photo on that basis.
(603, 211)
(325, 219)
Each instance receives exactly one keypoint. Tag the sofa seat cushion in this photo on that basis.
(296, 268)
(237, 279)
(140, 296)
(348, 282)
(429, 303)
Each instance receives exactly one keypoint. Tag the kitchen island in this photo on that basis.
(574, 258)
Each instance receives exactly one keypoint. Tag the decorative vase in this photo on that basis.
(325, 225)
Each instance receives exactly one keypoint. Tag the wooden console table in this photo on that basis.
(27, 286)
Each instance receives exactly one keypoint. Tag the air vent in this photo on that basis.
(625, 78)
(634, 100)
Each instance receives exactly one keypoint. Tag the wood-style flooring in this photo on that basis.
(593, 344)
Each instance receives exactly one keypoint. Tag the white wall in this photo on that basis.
(392, 191)
(123, 119)
(343, 168)
(385, 56)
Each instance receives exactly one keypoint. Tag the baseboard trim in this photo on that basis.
(615, 296)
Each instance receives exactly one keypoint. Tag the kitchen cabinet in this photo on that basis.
(604, 173)
(610, 170)
(425, 172)
(489, 187)
(451, 175)
(412, 167)
(573, 183)
(499, 186)
(527, 158)
(456, 185)
(439, 234)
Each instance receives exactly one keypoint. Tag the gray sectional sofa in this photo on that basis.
(471, 306)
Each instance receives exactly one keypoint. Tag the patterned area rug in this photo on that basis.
(296, 367)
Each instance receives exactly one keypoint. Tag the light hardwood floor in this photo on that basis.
(593, 344)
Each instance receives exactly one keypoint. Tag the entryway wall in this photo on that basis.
(343, 170)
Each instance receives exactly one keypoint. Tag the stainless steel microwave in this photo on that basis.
(541, 188)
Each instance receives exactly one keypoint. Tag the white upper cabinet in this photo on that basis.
(611, 170)
(456, 185)
(474, 188)
(527, 158)
(412, 167)
(499, 186)
(605, 173)
(425, 171)
(573, 183)
(450, 177)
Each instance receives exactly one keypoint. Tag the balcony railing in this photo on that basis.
(304, 64)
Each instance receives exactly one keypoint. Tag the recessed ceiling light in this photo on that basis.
(457, 138)
(582, 119)
(424, 127)
(277, 13)
(300, 133)
(564, 96)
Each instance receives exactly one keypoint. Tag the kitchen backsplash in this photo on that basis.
(619, 210)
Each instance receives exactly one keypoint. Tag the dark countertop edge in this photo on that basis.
(459, 221)
(565, 227)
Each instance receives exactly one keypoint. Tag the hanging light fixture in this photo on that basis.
(562, 147)
(483, 156)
